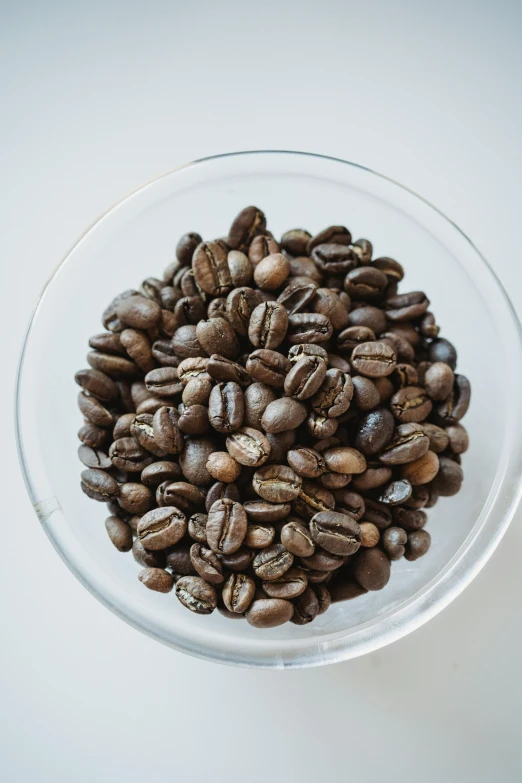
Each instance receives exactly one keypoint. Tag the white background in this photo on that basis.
(97, 97)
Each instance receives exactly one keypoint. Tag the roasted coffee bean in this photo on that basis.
(107, 342)
(422, 470)
(207, 565)
(334, 395)
(94, 458)
(143, 432)
(365, 394)
(94, 411)
(395, 493)
(417, 544)
(241, 303)
(295, 241)
(189, 310)
(152, 404)
(409, 519)
(186, 281)
(110, 318)
(147, 558)
(135, 498)
(336, 533)
(226, 407)
(385, 388)
(406, 307)
(238, 592)
(298, 352)
(371, 568)
(218, 491)
(352, 336)
(344, 459)
(449, 479)
(322, 561)
(226, 526)
(137, 346)
(403, 349)
(404, 375)
(271, 272)
(168, 297)
(308, 328)
(196, 392)
(166, 431)
(92, 436)
(441, 350)
(217, 308)
(127, 454)
(238, 561)
(180, 494)
(162, 527)
(124, 392)
(344, 588)
(122, 428)
(272, 562)
(196, 594)
(410, 404)
(438, 381)
(372, 478)
(211, 270)
(138, 312)
(438, 438)
(259, 536)
(261, 511)
(306, 462)
(457, 437)
(269, 612)
(326, 302)
(268, 367)
(290, 585)
(193, 369)
(248, 446)
(391, 268)
(186, 247)
(240, 268)
(222, 369)
(163, 382)
(119, 533)
(409, 443)
(261, 247)
(419, 498)
(248, 224)
(163, 352)
(456, 405)
(186, 343)
(338, 363)
(277, 483)
(312, 499)
(377, 513)
(296, 537)
(297, 294)
(303, 266)
(139, 393)
(334, 480)
(223, 467)
(268, 325)
(393, 542)
(369, 534)
(217, 336)
(197, 528)
(306, 607)
(305, 377)
(320, 426)
(365, 282)
(193, 459)
(256, 398)
(156, 579)
(373, 359)
(332, 258)
(283, 414)
(158, 472)
(333, 234)
(374, 432)
(371, 317)
(97, 383)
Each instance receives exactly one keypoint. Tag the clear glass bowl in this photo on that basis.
(136, 239)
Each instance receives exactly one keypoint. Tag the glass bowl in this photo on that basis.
(135, 239)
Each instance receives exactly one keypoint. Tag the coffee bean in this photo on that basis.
(371, 568)
(137, 346)
(306, 607)
(442, 350)
(196, 392)
(238, 592)
(207, 565)
(334, 395)
(143, 432)
(162, 527)
(186, 343)
(189, 310)
(261, 247)
(217, 336)
(94, 458)
(369, 534)
(338, 363)
(269, 612)
(268, 367)
(146, 558)
(179, 494)
(438, 381)
(271, 272)
(333, 234)
(217, 308)
(272, 562)
(196, 594)
(257, 396)
(280, 443)
(249, 223)
(371, 317)
(107, 342)
(156, 579)
(419, 497)
(193, 459)
(457, 437)
(193, 368)
(410, 404)
(138, 312)
(248, 446)
(312, 499)
(406, 307)
(322, 561)
(296, 537)
(222, 369)
(409, 519)
(374, 432)
(240, 268)
(94, 411)
(158, 472)
(122, 428)
(97, 384)
(197, 528)
(277, 483)
(119, 533)
(240, 304)
(259, 536)
(223, 467)
(186, 247)
(404, 375)
(211, 270)
(283, 414)
(297, 293)
(332, 258)
(326, 302)
(393, 542)
(306, 462)
(163, 382)
(365, 394)
(308, 328)
(303, 266)
(305, 377)
(320, 426)
(352, 336)
(298, 352)
(336, 533)
(98, 485)
(343, 459)
(403, 349)
(377, 513)
(261, 511)
(268, 325)
(422, 470)
(372, 478)
(456, 405)
(417, 544)
(295, 241)
(135, 498)
(409, 443)
(92, 436)
(449, 478)
(373, 359)
(110, 319)
(395, 493)
(226, 526)
(165, 430)
(365, 282)
(391, 268)
(226, 407)
(290, 585)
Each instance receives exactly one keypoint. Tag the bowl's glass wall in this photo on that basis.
(136, 240)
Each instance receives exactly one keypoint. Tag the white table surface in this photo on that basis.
(98, 97)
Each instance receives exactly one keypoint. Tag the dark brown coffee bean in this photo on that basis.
(295, 241)
(419, 498)
(94, 411)
(256, 398)
(135, 498)
(438, 438)
(107, 342)
(374, 431)
(320, 426)
(406, 307)
(308, 328)
(296, 537)
(457, 437)
(290, 585)
(312, 499)
(193, 459)
(268, 367)
(297, 293)
(223, 467)
(302, 266)
(306, 462)
(143, 432)
(165, 430)
(326, 302)
(97, 383)
(417, 544)
(371, 317)
(207, 565)
(196, 594)
(369, 534)
(261, 511)
(393, 542)
(226, 526)
(94, 458)
(222, 369)
(92, 436)
(338, 235)
(158, 472)
(391, 268)
(137, 346)
(371, 568)
(365, 282)
(248, 447)
(409, 519)
(442, 350)
(238, 561)
(193, 369)
(180, 494)
(248, 224)
(272, 562)
(98, 485)
(404, 375)
(283, 414)
(186, 247)
(217, 308)
(306, 607)
(449, 478)
(138, 312)
(122, 428)
(336, 533)
(322, 561)
(422, 470)
(240, 268)
(163, 382)
(109, 317)
(410, 404)
(271, 272)
(334, 395)
(395, 493)
(189, 310)
(119, 533)
(238, 592)
(146, 558)
(298, 352)
(352, 336)
(403, 349)
(268, 325)
(344, 459)
(162, 527)
(377, 513)
(218, 491)
(241, 303)
(196, 392)
(365, 393)
(408, 444)
(269, 612)
(226, 407)
(333, 258)
(156, 579)
(261, 247)
(217, 336)
(197, 528)
(210, 267)
(456, 405)
(186, 343)
(338, 363)
(305, 377)
(139, 393)
(438, 381)
(277, 483)
(259, 536)
(374, 359)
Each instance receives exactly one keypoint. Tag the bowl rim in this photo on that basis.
(428, 605)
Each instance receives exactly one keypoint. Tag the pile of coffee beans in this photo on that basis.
(268, 421)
